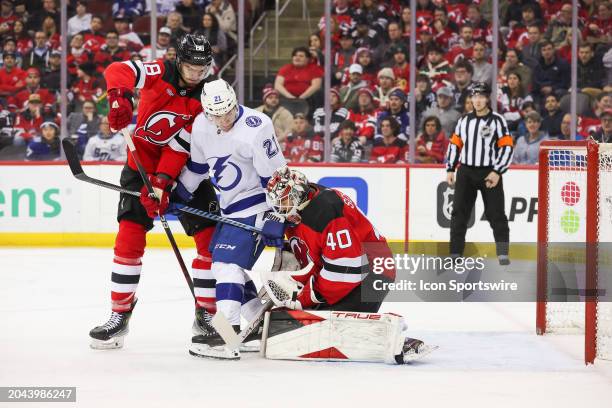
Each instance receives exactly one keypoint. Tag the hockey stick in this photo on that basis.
(162, 218)
(79, 173)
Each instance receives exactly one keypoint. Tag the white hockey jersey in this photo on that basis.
(105, 149)
(240, 161)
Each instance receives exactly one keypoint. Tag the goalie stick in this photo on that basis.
(79, 173)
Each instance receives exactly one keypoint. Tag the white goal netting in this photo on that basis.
(567, 227)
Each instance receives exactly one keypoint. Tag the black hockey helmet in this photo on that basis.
(194, 49)
(479, 88)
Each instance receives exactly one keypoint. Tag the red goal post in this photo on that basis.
(574, 219)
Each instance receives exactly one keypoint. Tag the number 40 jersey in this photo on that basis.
(239, 162)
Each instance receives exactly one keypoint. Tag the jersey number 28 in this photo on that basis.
(342, 239)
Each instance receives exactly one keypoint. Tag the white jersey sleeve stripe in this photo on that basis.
(355, 262)
(342, 277)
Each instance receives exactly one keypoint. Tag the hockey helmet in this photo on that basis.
(479, 88)
(194, 49)
(286, 192)
(218, 98)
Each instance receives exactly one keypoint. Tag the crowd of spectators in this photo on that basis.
(371, 69)
(371, 65)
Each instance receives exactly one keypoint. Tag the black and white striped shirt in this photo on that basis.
(481, 141)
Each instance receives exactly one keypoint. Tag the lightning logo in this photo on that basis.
(226, 170)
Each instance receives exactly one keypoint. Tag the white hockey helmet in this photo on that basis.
(218, 98)
(286, 191)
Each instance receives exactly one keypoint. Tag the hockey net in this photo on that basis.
(574, 240)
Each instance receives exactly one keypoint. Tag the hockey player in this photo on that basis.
(326, 228)
(237, 146)
(169, 102)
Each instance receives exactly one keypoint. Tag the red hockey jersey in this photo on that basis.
(164, 110)
(341, 242)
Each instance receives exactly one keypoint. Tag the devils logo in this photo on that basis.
(162, 126)
(300, 250)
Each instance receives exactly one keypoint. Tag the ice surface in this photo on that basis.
(50, 298)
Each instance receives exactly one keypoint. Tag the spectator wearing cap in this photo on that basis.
(401, 68)
(604, 133)
(87, 87)
(397, 110)
(513, 64)
(163, 42)
(128, 39)
(49, 9)
(216, 37)
(33, 87)
(38, 56)
(346, 148)
(386, 83)
(363, 57)
(302, 145)
(551, 121)
(483, 71)
(52, 73)
(444, 110)
(12, 78)
(462, 79)
(552, 74)
(384, 53)
(364, 35)
(364, 117)
(432, 143)
(338, 115)
(300, 79)
(436, 68)
(349, 92)
(343, 56)
(425, 40)
(45, 146)
(78, 55)
(81, 20)
(191, 12)
(464, 48)
(10, 46)
(83, 124)
(510, 99)
(527, 149)
(23, 40)
(110, 52)
(7, 17)
(128, 8)
(226, 15)
(28, 122)
(282, 119)
(389, 148)
(94, 36)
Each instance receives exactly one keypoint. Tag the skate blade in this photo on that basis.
(219, 353)
(110, 344)
(251, 347)
(424, 350)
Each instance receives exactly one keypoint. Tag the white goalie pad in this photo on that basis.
(279, 283)
(332, 336)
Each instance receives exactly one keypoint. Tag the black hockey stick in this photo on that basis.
(79, 173)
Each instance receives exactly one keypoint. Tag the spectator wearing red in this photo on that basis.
(482, 28)
(436, 68)
(464, 48)
(343, 56)
(24, 41)
(424, 12)
(7, 17)
(364, 117)
(302, 145)
(457, 12)
(94, 37)
(432, 143)
(128, 39)
(300, 79)
(38, 56)
(339, 114)
(78, 55)
(389, 148)
(349, 92)
(401, 68)
(28, 122)
(598, 30)
(425, 40)
(445, 31)
(110, 52)
(386, 83)
(50, 27)
(87, 87)
(343, 14)
(33, 87)
(12, 78)
(518, 36)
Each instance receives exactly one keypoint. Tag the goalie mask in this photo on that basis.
(287, 191)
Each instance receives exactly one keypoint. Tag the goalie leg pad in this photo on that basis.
(332, 336)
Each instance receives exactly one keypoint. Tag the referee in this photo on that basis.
(483, 146)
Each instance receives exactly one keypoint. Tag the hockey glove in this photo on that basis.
(121, 108)
(273, 230)
(162, 184)
(180, 196)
